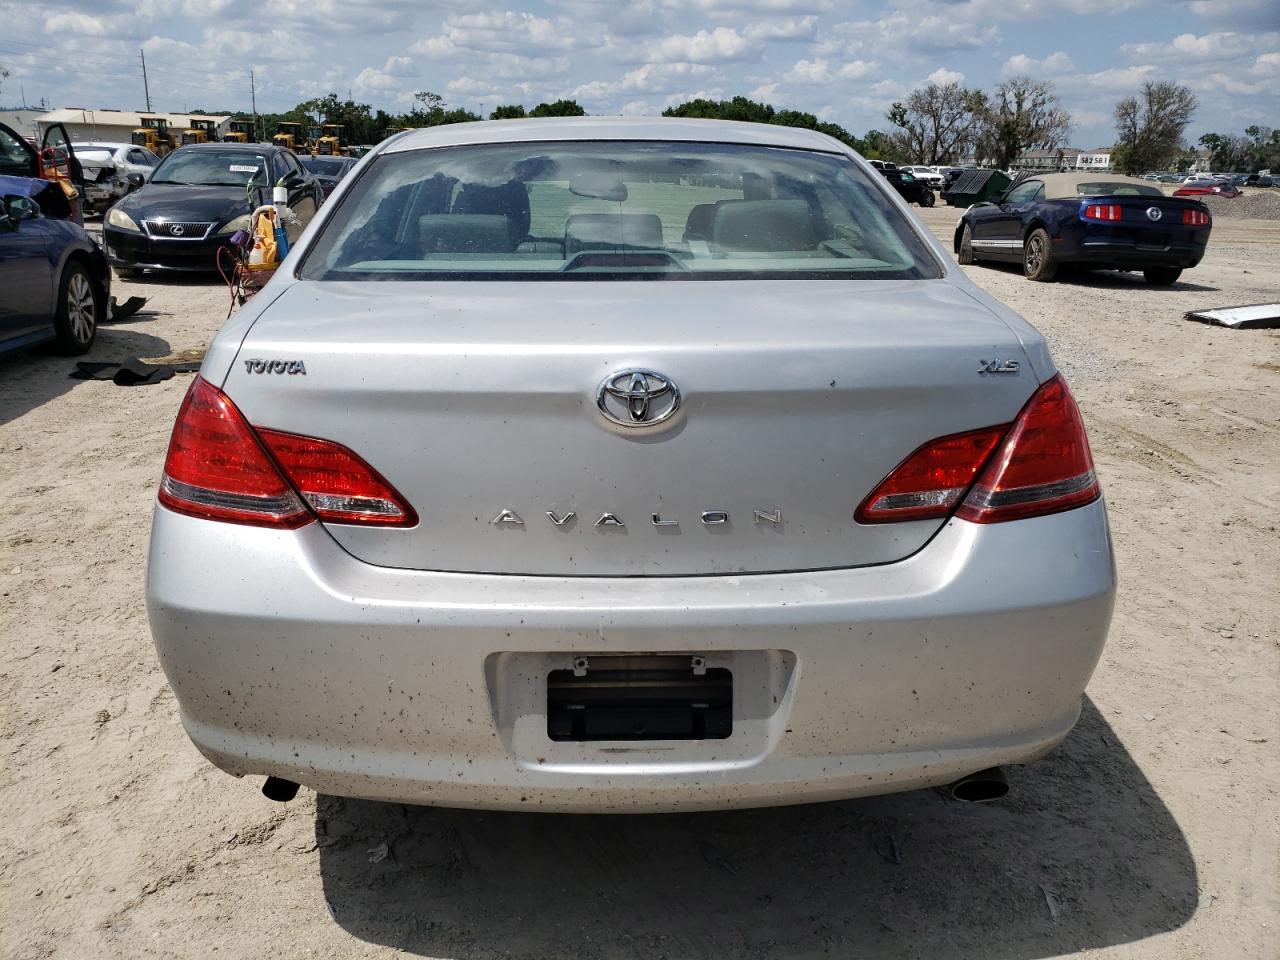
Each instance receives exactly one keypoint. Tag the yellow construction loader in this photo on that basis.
(329, 143)
(241, 132)
(200, 131)
(154, 135)
(291, 136)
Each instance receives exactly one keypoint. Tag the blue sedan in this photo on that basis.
(54, 279)
(1102, 221)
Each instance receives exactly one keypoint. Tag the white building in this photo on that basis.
(22, 122)
(118, 125)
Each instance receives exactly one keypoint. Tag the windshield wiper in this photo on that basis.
(180, 183)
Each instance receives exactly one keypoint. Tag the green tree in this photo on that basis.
(938, 123)
(561, 108)
(1186, 160)
(1022, 114)
(433, 112)
(1266, 147)
(750, 111)
(1149, 127)
(359, 125)
(509, 111)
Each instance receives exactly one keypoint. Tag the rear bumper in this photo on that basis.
(1119, 247)
(289, 657)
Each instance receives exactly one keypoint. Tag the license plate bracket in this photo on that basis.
(639, 698)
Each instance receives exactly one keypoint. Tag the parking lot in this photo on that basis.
(1153, 832)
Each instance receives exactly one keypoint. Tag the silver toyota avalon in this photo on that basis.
(625, 465)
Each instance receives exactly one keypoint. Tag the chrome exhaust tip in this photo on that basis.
(279, 790)
(985, 786)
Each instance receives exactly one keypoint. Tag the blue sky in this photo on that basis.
(845, 61)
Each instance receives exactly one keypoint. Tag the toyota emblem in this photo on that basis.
(1154, 213)
(637, 398)
(176, 230)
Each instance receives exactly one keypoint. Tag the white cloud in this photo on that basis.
(801, 28)
(639, 108)
(76, 23)
(918, 35)
(1052, 65)
(942, 76)
(721, 45)
(652, 78)
(754, 6)
(1246, 14)
(821, 71)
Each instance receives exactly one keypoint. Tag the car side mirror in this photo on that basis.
(136, 179)
(18, 208)
(293, 180)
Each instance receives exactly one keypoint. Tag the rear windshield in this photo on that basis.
(324, 166)
(1104, 189)
(615, 210)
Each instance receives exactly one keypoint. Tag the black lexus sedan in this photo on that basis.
(198, 196)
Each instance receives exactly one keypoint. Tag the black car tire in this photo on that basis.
(1037, 256)
(965, 254)
(1162, 276)
(927, 198)
(79, 310)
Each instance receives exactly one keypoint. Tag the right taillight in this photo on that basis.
(1195, 218)
(1043, 466)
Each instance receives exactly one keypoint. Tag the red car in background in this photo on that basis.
(1208, 190)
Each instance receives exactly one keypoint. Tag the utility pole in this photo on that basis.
(253, 98)
(146, 90)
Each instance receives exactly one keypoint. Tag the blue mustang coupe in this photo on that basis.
(1102, 221)
(54, 279)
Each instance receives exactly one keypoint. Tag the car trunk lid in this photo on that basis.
(478, 402)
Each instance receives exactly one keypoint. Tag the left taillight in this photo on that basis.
(336, 483)
(1103, 211)
(219, 468)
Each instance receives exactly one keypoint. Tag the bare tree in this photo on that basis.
(937, 123)
(1149, 127)
(1022, 115)
(4, 74)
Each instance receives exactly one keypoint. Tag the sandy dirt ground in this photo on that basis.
(1153, 832)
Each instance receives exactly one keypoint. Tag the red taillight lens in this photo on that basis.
(930, 482)
(217, 469)
(338, 485)
(1195, 218)
(1103, 211)
(1043, 466)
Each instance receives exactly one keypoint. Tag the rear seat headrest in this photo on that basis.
(509, 200)
(764, 226)
(463, 233)
(604, 231)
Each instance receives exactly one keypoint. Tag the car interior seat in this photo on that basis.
(612, 231)
(764, 226)
(509, 201)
